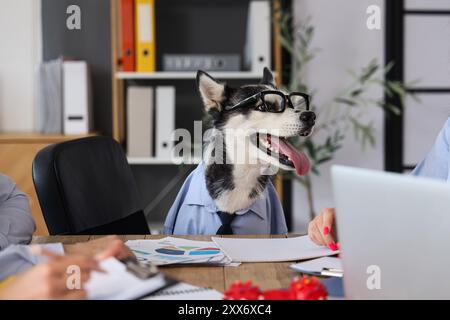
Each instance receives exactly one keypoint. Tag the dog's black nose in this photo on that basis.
(308, 117)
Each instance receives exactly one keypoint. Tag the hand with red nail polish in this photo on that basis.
(332, 246)
(322, 229)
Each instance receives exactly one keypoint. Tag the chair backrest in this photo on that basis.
(86, 186)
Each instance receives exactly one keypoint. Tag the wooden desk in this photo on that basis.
(274, 275)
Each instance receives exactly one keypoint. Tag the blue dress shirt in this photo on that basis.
(16, 223)
(18, 258)
(195, 212)
(436, 163)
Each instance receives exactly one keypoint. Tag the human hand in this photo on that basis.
(50, 280)
(322, 230)
(102, 248)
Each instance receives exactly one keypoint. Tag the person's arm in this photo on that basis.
(436, 163)
(322, 229)
(19, 258)
(49, 280)
(16, 223)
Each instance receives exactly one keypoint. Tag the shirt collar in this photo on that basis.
(198, 195)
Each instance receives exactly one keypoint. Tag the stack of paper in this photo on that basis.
(171, 250)
(116, 283)
(271, 250)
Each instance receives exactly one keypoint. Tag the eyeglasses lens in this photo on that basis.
(298, 102)
(273, 102)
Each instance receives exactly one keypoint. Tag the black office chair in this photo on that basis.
(86, 186)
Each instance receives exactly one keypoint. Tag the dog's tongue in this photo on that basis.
(298, 158)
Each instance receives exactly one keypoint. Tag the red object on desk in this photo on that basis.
(243, 291)
(307, 288)
(304, 288)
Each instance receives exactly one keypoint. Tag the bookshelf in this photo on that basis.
(159, 75)
(25, 138)
(161, 161)
(152, 173)
(121, 79)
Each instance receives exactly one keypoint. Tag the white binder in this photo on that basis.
(76, 98)
(258, 45)
(49, 109)
(139, 121)
(165, 121)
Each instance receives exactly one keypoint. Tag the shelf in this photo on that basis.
(161, 75)
(11, 137)
(160, 161)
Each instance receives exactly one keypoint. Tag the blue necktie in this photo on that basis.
(226, 220)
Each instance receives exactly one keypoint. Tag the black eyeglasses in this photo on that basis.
(274, 101)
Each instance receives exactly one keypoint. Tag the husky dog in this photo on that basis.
(251, 124)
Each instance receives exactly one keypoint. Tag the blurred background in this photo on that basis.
(378, 72)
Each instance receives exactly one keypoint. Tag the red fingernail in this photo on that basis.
(332, 246)
(338, 245)
(326, 230)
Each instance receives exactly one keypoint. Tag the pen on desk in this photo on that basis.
(332, 272)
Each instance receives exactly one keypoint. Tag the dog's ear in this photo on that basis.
(211, 91)
(268, 78)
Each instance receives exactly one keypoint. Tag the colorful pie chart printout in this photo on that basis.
(177, 250)
(187, 251)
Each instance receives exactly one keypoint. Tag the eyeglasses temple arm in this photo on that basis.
(244, 102)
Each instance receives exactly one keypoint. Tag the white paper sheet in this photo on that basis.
(118, 284)
(271, 250)
(317, 265)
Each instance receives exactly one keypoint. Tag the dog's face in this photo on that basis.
(265, 131)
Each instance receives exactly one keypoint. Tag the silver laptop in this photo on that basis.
(394, 232)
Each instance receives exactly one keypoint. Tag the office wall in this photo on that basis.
(345, 43)
(19, 54)
(92, 43)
